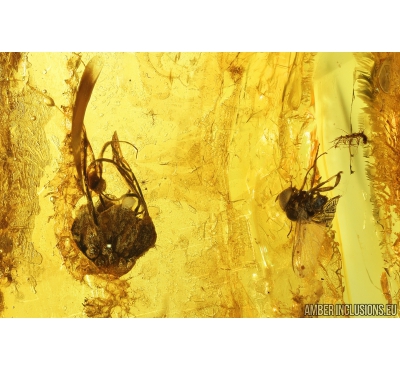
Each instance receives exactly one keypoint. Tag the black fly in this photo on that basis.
(313, 213)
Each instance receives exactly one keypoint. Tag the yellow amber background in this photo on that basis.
(219, 136)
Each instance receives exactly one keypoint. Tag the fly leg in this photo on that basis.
(290, 229)
(314, 167)
(328, 188)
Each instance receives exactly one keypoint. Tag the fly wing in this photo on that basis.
(309, 237)
(86, 85)
(327, 213)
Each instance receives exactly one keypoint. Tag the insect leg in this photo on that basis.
(328, 188)
(290, 229)
(351, 158)
(314, 166)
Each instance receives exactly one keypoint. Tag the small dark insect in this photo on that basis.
(350, 140)
(313, 213)
(113, 232)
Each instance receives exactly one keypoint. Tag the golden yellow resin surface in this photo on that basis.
(218, 137)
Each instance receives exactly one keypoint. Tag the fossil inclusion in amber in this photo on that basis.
(176, 215)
